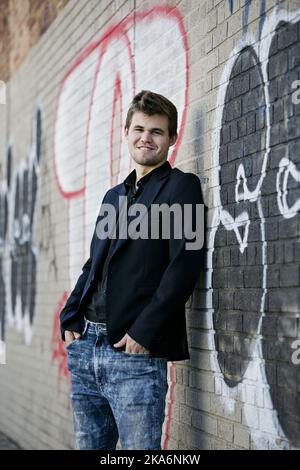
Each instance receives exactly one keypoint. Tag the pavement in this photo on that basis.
(6, 443)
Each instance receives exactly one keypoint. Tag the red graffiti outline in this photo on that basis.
(102, 53)
(117, 96)
(113, 31)
(58, 350)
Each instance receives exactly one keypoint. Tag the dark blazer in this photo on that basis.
(149, 281)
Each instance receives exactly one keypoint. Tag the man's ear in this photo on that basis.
(173, 140)
(125, 131)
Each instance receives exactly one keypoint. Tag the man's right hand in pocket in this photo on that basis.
(70, 336)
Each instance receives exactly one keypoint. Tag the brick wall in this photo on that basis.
(231, 67)
(22, 24)
(4, 43)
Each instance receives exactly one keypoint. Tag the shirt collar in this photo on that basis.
(131, 178)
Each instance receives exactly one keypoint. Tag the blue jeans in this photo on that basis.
(115, 394)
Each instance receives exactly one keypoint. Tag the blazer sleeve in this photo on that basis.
(180, 276)
(68, 318)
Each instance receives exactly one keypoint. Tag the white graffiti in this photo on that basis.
(258, 412)
(21, 249)
(286, 169)
(90, 151)
(230, 223)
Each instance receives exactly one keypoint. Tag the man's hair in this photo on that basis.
(151, 103)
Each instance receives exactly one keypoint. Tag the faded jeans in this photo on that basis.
(115, 394)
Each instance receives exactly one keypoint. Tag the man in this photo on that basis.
(125, 317)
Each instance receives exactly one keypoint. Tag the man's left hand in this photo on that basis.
(132, 346)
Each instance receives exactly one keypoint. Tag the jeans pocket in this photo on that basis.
(82, 335)
(68, 346)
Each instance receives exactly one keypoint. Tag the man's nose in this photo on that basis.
(146, 136)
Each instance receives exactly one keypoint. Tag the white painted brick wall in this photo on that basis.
(205, 412)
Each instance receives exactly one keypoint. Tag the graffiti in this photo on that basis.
(286, 169)
(89, 162)
(296, 354)
(262, 16)
(23, 253)
(47, 236)
(17, 213)
(237, 262)
(246, 8)
(58, 350)
(255, 181)
(281, 189)
(4, 212)
(90, 154)
(46, 243)
(296, 94)
(255, 229)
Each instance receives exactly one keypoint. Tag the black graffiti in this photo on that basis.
(243, 306)
(22, 251)
(4, 211)
(46, 243)
(280, 326)
(23, 255)
(237, 276)
(262, 15)
(246, 7)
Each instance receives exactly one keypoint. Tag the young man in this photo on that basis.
(125, 317)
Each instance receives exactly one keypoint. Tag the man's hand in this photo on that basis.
(131, 346)
(70, 336)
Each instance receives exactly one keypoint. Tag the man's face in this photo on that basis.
(148, 139)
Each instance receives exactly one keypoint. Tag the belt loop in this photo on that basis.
(85, 327)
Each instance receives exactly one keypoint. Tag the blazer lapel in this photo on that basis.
(102, 245)
(148, 195)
